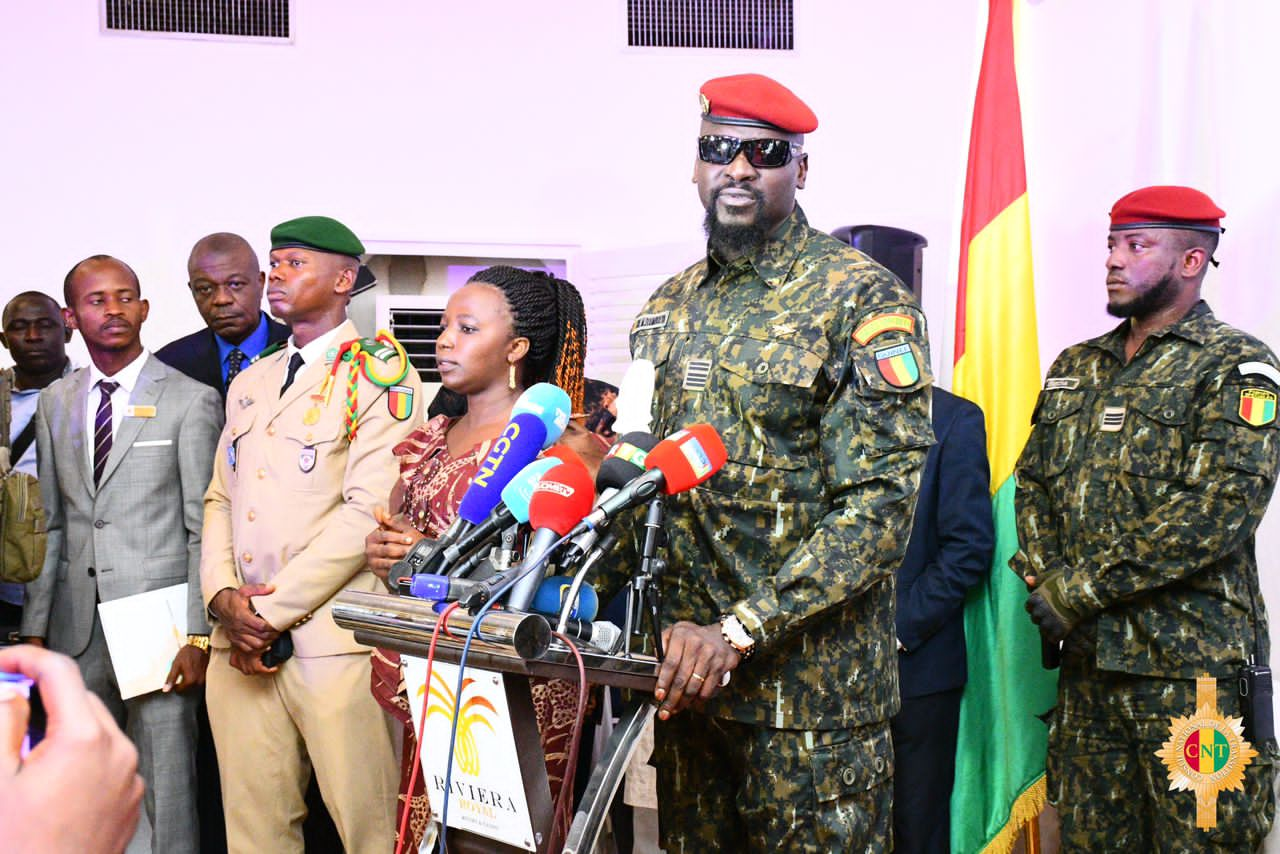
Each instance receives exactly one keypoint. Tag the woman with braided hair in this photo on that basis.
(503, 331)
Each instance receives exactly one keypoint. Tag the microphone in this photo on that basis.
(623, 464)
(538, 418)
(552, 593)
(512, 508)
(551, 404)
(635, 398)
(679, 462)
(560, 500)
(441, 588)
(604, 636)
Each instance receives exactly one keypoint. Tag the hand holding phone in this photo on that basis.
(84, 760)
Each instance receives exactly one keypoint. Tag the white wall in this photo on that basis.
(516, 122)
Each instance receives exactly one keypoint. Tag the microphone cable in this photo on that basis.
(563, 812)
(422, 726)
(462, 670)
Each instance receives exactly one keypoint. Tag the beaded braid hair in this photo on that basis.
(549, 312)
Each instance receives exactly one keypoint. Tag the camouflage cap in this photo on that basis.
(320, 233)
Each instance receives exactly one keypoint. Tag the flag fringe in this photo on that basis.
(1027, 806)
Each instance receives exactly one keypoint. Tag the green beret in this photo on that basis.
(321, 233)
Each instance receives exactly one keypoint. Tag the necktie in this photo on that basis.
(102, 429)
(295, 364)
(235, 359)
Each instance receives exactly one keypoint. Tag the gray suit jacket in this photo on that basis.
(140, 529)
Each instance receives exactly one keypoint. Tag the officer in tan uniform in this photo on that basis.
(305, 456)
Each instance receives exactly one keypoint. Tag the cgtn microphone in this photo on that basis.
(681, 461)
(560, 500)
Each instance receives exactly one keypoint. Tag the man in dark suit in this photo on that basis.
(226, 283)
(949, 552)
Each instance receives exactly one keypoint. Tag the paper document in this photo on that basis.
(144, 632)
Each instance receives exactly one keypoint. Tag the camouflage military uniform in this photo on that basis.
(811, 362)
(1139, 491)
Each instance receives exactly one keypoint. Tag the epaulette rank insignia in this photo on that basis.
(268, 350)
(376, 359)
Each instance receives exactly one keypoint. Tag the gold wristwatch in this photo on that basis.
(736, 635)
(200, 642)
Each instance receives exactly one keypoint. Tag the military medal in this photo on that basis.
(311, 416)
(307, 459)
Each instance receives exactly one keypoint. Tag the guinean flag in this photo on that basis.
(1000, 756)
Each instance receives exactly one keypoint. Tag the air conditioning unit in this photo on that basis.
(414, 319)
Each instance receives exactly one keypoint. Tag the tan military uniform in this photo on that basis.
(290, 504)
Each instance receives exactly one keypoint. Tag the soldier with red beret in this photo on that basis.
(1153, 454)
(811, 361)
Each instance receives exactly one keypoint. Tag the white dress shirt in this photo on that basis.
(128, 378)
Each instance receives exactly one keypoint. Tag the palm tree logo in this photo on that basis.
(472, 715)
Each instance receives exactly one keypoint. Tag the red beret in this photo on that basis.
(1167, 207)
(753, 99)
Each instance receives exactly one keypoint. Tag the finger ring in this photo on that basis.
(697, 676)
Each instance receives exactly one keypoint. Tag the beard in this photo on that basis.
(734, 240)
(1159, 296)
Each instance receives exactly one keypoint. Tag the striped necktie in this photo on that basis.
(102, 429)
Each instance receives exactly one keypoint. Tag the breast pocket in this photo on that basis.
(1060, 416)
(1155, 432)
(770, 424)
(305, 461)
(238, 428)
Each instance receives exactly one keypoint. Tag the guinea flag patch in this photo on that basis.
(898, 365)
(400, 401)
(1257, 406)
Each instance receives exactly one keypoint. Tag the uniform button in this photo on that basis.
(99, 524)
(234, 432)
(1169, 413)
(762, 368)
(271, 431)
(262, 474)
(308, 437)
(246, 558)
(848, 776)
(252, 515)
(879, 763)
(92, 572)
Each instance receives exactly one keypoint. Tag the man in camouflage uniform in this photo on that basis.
(1152, 457)
(811, 361)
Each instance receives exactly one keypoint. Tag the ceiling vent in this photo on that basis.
(732, 24)
(255, 20)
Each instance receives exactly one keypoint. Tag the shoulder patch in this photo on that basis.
(1257, 406)
(1261, 369)
(881, 323)
(898, 365)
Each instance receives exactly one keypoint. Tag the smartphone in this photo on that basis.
(23, 686)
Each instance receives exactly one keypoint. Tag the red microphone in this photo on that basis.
(564, 454)
(681, 461)
(561, 498)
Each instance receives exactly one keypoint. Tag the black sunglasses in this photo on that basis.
(761, 153)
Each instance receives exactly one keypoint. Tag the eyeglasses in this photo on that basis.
(763, 153)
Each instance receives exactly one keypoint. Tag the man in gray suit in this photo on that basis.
(125, 450)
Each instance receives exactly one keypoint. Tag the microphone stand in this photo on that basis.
(643, 592)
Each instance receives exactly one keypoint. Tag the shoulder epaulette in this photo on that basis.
(268, 350)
